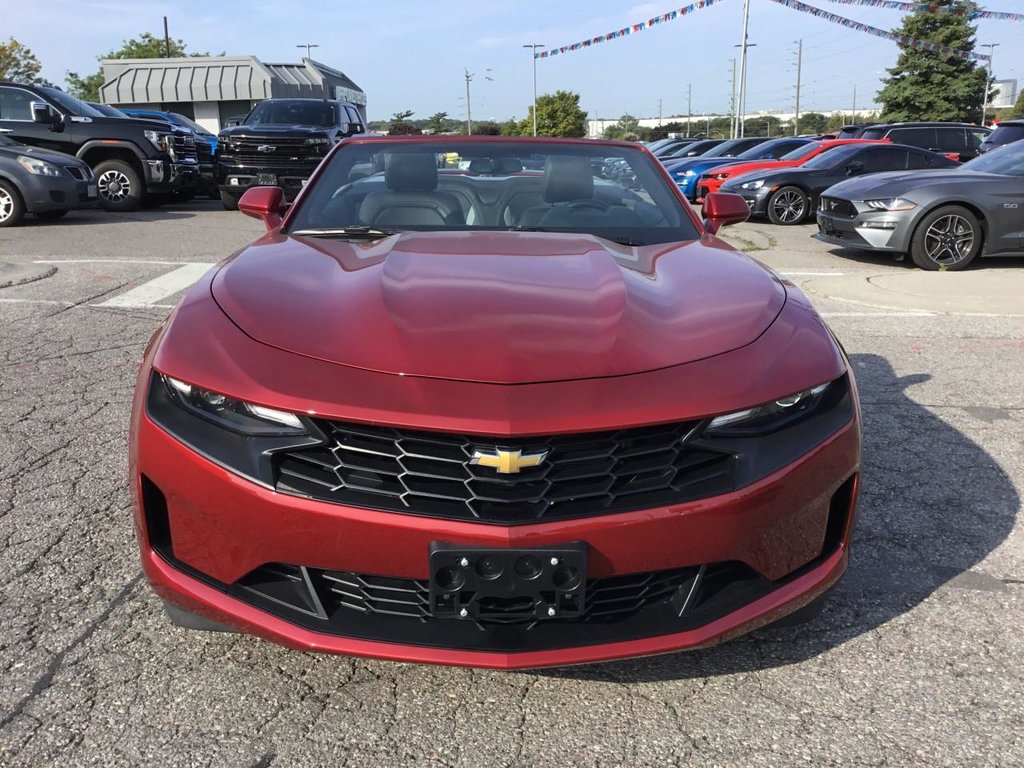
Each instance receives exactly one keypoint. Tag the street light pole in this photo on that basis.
(307, 46)
(742, 105)
(989, 74)
(469, 108)
(533, 47)
(799, 65)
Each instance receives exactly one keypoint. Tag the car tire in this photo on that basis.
(51, 215)
(788, 206)
(948, 238)
(12, 207)
(120, 188)
(230, 202)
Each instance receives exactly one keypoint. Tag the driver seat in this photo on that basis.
(411, 198)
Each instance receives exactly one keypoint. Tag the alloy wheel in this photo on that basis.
(114, 186)
(789, 206)
(949, 240)
(6, 205)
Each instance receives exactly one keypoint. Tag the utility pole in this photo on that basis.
(469, 108)
(689, 107)
(989, 75)
(853, 112)
(659, 113)
(742, 106)
(533, 48)
(799, 65)
(307, 46)
(167, 40)
(732, 102)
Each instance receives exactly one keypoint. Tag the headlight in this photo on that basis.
(38, 167)
(770, 416)
(755, 184)
(891, 204)
(232, 414)
(162, 141)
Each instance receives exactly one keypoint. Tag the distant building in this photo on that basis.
(1007, 95)
(211, 89)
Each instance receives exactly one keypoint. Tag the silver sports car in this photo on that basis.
(944, 218)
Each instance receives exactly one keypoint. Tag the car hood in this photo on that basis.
(273, 130)
(46, 155)
(506, 308)
(896, 183)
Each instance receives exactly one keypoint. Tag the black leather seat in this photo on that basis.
(411, 198)
(569, 194)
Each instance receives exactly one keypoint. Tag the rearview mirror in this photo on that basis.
(723, 208)
(265, 203)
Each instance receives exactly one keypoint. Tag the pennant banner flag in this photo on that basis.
(933, 7)
(796, 5)
(627, 31)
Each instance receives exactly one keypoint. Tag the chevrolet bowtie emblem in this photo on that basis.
(265, 148)
(507, 462)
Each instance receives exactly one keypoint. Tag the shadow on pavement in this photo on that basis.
(933, 504)
(881, 259)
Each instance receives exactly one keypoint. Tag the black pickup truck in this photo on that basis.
(280, 143)
(131, 158)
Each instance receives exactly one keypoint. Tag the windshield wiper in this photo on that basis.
(354, 232)
(620, 239)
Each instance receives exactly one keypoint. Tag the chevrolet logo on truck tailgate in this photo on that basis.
(507, 462)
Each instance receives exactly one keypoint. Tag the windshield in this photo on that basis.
(305, 112)
(806, 150)
(618, 193)
(834, 157)
(70, 104)
(1005, 134)
(721, 149)
(109, 111)
(874, 133)
(764, 150)
(1008, 161)
(190, 124)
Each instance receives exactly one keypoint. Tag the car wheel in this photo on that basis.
(50, 215)
(788, 205)
(947, 238)
(229, 202)
(119, 186)
(12, 209)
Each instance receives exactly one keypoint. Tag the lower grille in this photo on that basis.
(79, 172)
(435, 474)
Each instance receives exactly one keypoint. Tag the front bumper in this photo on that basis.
(873, 231)
(55, 193)
(167, 176)
(234, 178)
(757, 199)
(204, 532)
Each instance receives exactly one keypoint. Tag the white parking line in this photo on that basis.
(151, 292)
(878, 314)
(811, 274)
(106, 261)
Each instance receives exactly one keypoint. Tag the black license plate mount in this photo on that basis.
(508, 585)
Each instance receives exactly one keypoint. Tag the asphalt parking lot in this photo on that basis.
(916, 660)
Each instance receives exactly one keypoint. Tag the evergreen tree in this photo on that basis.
(931, 85)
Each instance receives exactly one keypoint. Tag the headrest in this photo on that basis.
(505, 166)
(567, 178)
(411, 172)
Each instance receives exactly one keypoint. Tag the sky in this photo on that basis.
(412, 54)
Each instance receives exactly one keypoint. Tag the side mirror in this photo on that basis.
(41, 113)
(723, 208)
(265, 203)
(853, 168)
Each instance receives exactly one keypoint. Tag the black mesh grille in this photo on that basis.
(78, 172)
(837, 207)
(185, 146)
(432, 473)
(607, 599)
(204, 151)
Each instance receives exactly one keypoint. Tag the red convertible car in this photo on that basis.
(470, 401)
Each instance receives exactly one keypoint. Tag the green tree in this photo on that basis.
(558, 114)
(148, 46)
(930, 85)
(402, 126)
(513, 127)
(627, 129)
(437, 122)
(486, 128)
(812, 122)
(1018, 108)
(18, 63)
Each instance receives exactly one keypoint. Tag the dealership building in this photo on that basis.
(211, 89)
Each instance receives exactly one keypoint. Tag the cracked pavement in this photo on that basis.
(916, 660)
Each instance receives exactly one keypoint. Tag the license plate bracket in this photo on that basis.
(266, 179)
(508, 585)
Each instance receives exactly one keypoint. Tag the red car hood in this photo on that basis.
(736, 170)
(498, 307)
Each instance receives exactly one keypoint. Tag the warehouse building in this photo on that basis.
(212, 89)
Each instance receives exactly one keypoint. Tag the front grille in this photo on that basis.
(204, 152)
(836, 207)
(184, 146)
(430, 473)
(255, 150)
(80, 173)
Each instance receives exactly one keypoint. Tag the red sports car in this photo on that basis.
(470, 401)
(714, 179)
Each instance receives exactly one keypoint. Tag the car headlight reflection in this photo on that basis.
(770, 416)
(756, 184)
(891, 204)
(232, 414)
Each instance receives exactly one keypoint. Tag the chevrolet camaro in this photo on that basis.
(468, 402)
